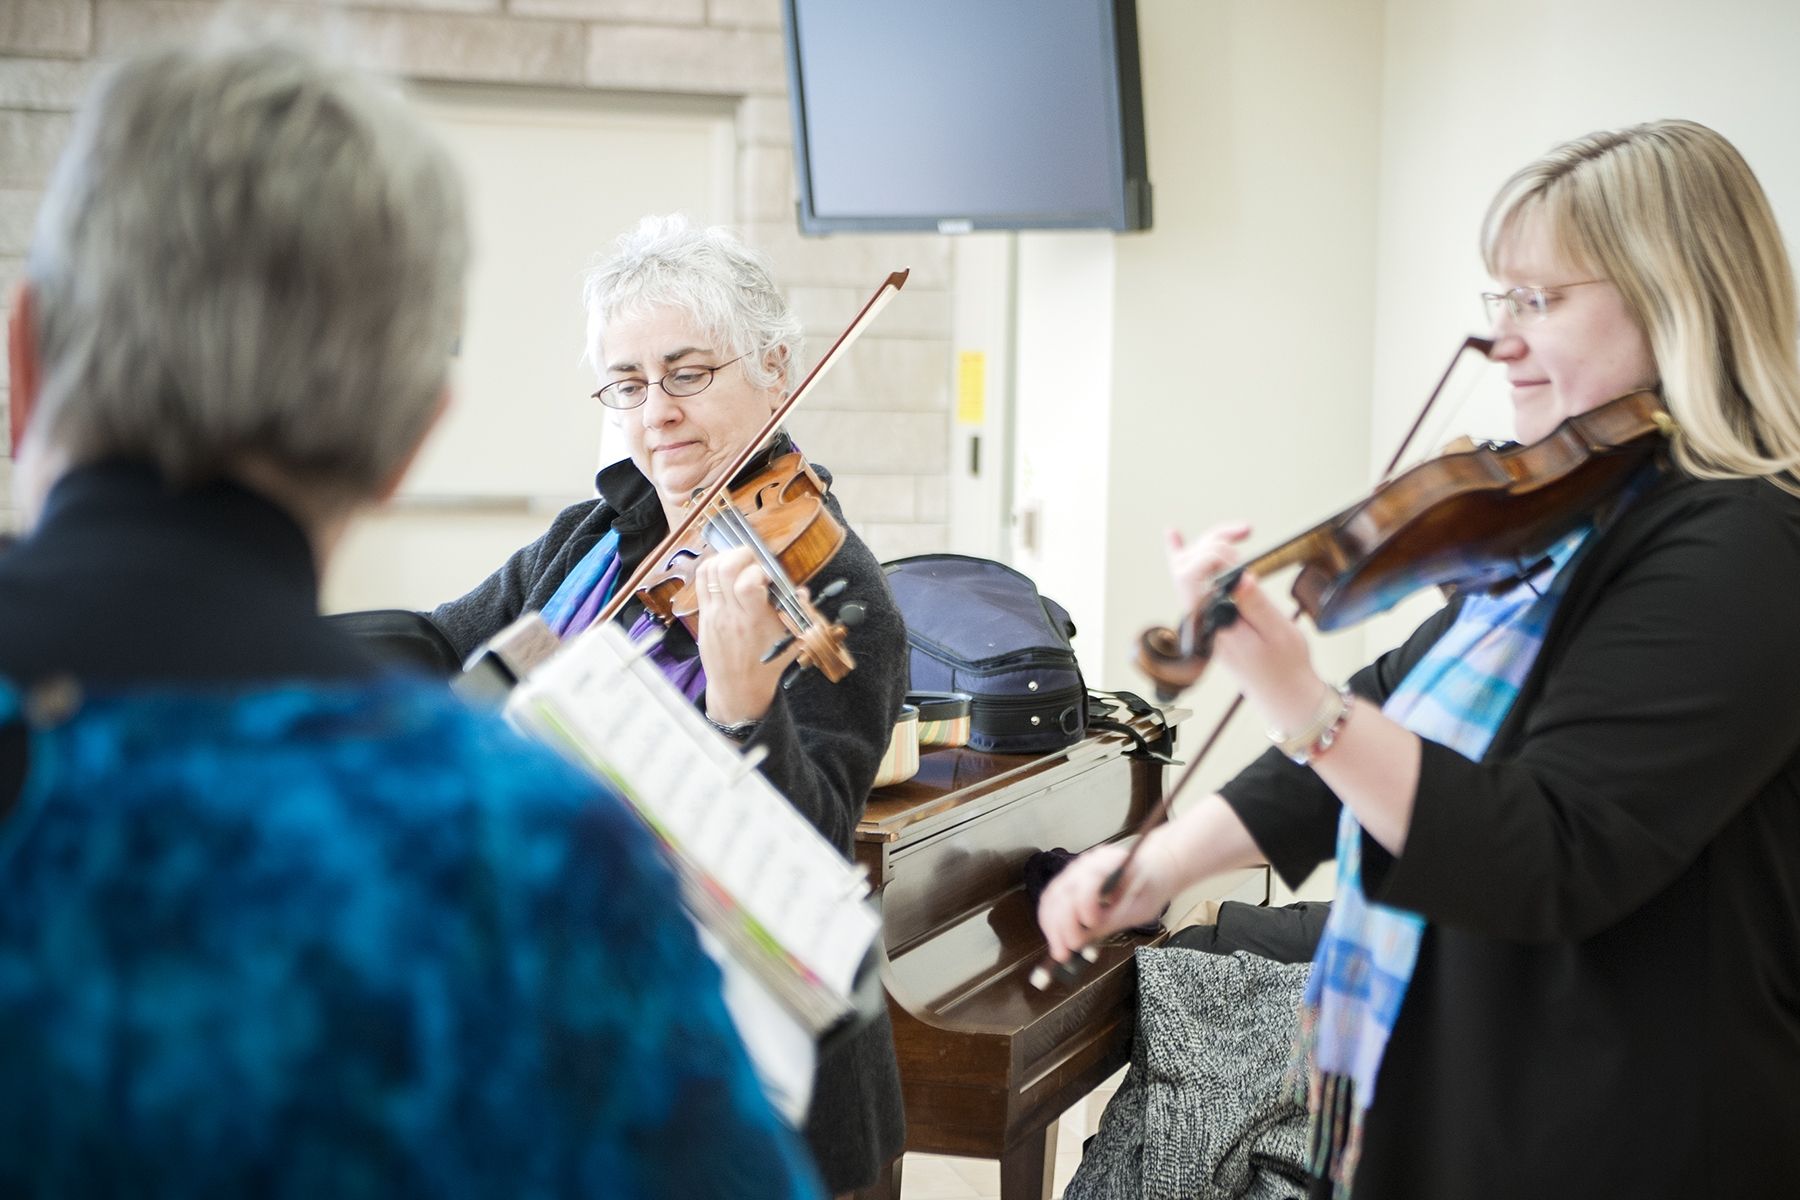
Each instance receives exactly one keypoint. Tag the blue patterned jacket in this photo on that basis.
(348, 941)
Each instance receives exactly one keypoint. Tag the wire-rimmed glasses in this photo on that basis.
(1528, 302)
(687, 380)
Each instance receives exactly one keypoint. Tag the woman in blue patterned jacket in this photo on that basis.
(271, 922)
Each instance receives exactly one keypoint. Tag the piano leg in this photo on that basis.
(1028, 1169)
(886, 1187)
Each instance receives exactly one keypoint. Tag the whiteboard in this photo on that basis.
(553, 178)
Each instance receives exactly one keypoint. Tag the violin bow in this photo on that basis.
(701, 501)
(1486, 347)
(1220, 614)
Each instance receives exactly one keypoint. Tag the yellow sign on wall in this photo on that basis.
(971, 388)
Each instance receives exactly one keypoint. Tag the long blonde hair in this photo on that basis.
(1670, 212)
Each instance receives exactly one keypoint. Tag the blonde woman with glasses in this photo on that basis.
(1564, 957)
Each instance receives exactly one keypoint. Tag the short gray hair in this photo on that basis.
(247, 255)
(725, 286)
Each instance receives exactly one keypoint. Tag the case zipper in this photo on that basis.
(1014, 658)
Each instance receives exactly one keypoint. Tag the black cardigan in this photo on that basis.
(824, 742)
(1607, 1000)
(126, 582)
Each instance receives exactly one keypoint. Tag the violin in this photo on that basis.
(1478, 518)
(783, 505)
(1473, 520)
(780, 514)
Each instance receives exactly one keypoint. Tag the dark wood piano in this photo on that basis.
(987, 1062)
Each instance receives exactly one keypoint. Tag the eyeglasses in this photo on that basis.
(680, 383)
(1528, 303)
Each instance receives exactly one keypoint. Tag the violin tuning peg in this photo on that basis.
(1223, 614)
(851, 615)
(832, 589)
(775, 651)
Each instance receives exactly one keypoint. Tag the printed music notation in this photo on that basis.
(760, 877)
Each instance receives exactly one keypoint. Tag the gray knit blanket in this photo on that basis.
(1202, 1113)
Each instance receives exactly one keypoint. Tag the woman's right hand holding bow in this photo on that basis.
(1071, 912)
(1205, 839)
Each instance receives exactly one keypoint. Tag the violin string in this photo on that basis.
(735, 527)
(726, 530)
(780, 586)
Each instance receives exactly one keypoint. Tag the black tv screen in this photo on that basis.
(956, 115)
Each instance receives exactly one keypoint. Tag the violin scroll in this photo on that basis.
(821, 641)
(1174, 659)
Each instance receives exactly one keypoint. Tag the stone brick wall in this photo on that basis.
(880, 422)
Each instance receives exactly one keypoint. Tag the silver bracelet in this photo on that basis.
(1321, 732)
(739, 731)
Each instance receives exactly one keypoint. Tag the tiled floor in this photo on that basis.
(936, 1177)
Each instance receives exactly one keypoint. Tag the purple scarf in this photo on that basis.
(585, 591)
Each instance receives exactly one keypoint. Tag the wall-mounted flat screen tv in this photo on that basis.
(957, 115)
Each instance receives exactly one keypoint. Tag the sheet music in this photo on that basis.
(611, 706)
(781, 1051)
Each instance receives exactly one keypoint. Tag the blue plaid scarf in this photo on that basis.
(1457, 695)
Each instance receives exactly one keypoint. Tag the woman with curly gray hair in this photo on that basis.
(694, 347)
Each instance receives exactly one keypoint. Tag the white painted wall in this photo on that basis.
(1064, 389)
(553, 178)
(1242, 332)
(978, 484)
(1218, 365)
